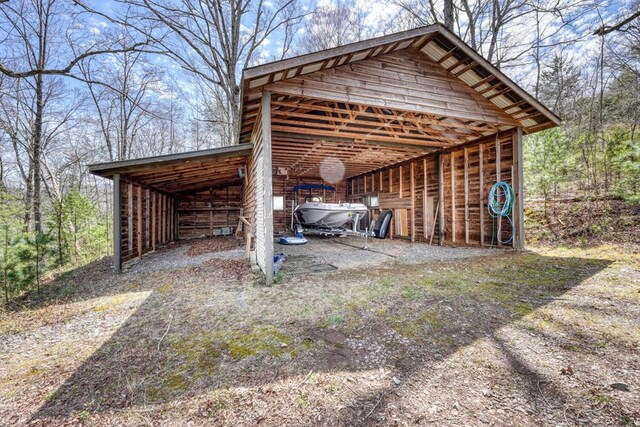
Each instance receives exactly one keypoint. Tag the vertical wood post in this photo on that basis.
(466, 195)
(498, 177)
(453, 198)
(130, 219)
(268, 186)
(117, 225)
(139, 226)
(154, 214)
(412, 186)
(481, 182)
(147, 219)
(440, 200)
(519, 190)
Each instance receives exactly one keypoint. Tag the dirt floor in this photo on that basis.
(186, 337)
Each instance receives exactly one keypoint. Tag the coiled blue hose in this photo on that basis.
(500, 205)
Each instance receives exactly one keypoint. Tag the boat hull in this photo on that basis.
(328, 215)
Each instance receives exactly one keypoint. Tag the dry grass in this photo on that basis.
(461, 342)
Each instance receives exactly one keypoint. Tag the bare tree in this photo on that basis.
(120, 87)
(213, 39)
(40, 39)
(333, 25)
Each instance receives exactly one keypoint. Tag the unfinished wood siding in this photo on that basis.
(283, 186)
(145, 215)
(467, 220)
(408, 201)
(201, 213)
(254, 195)
(407, 80)
(469, 172)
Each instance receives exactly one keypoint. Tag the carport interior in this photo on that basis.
(161, 199)
(417, 121)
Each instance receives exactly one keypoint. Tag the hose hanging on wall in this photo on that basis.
(500, 204)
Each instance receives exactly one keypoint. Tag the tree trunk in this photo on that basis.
(37, 148)
(448, 14)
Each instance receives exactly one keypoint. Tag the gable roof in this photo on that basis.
(437, 43)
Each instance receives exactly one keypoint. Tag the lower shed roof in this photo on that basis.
(184, 172)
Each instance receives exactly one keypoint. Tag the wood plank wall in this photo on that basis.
(196, 218)
(283, 186)
(146, 219)
(253, 198)
(404, 80)
(475, 169)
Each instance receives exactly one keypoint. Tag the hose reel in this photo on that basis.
(500, 205)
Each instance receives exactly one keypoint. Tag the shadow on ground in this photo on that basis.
(204, 334)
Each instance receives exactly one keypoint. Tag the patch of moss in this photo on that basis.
(173, 383)
(302, 401)
(202, 350)
(601, 398)
(167, 287)
(308, 343)
(522, 309)
(263, 339)
(176, 382)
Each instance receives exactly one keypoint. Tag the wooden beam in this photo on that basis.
(154, 210)
(519, 189)
(440, 200)
(453, 197)
(147, 218)
(130, 218)
(481, 183)
(139, 225)
(498, 169)
(164, 219)
(426, 214)
(412, 187)
(268, 185)
(466, 195)
(117, 225)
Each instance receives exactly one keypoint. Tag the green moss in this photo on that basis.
(522, 309)
(176, 382)
(261, 340)
(302, 400)
(308, 343)
(167, 287)
(600, 398)
(173, 383)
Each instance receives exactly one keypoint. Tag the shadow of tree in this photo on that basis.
(185, 341)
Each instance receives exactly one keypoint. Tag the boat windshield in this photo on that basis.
(313, 199)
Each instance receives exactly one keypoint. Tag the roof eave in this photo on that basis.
(108, 169)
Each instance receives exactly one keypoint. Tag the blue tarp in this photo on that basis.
(313, 187)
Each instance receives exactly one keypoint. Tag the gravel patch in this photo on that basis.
(348, 252)
(175, 256)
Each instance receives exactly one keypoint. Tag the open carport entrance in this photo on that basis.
(416, 119)
(157, 200)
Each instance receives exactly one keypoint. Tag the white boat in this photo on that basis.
(316, 213)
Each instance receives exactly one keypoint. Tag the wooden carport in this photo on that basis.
(159, 199)
(417, 119)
